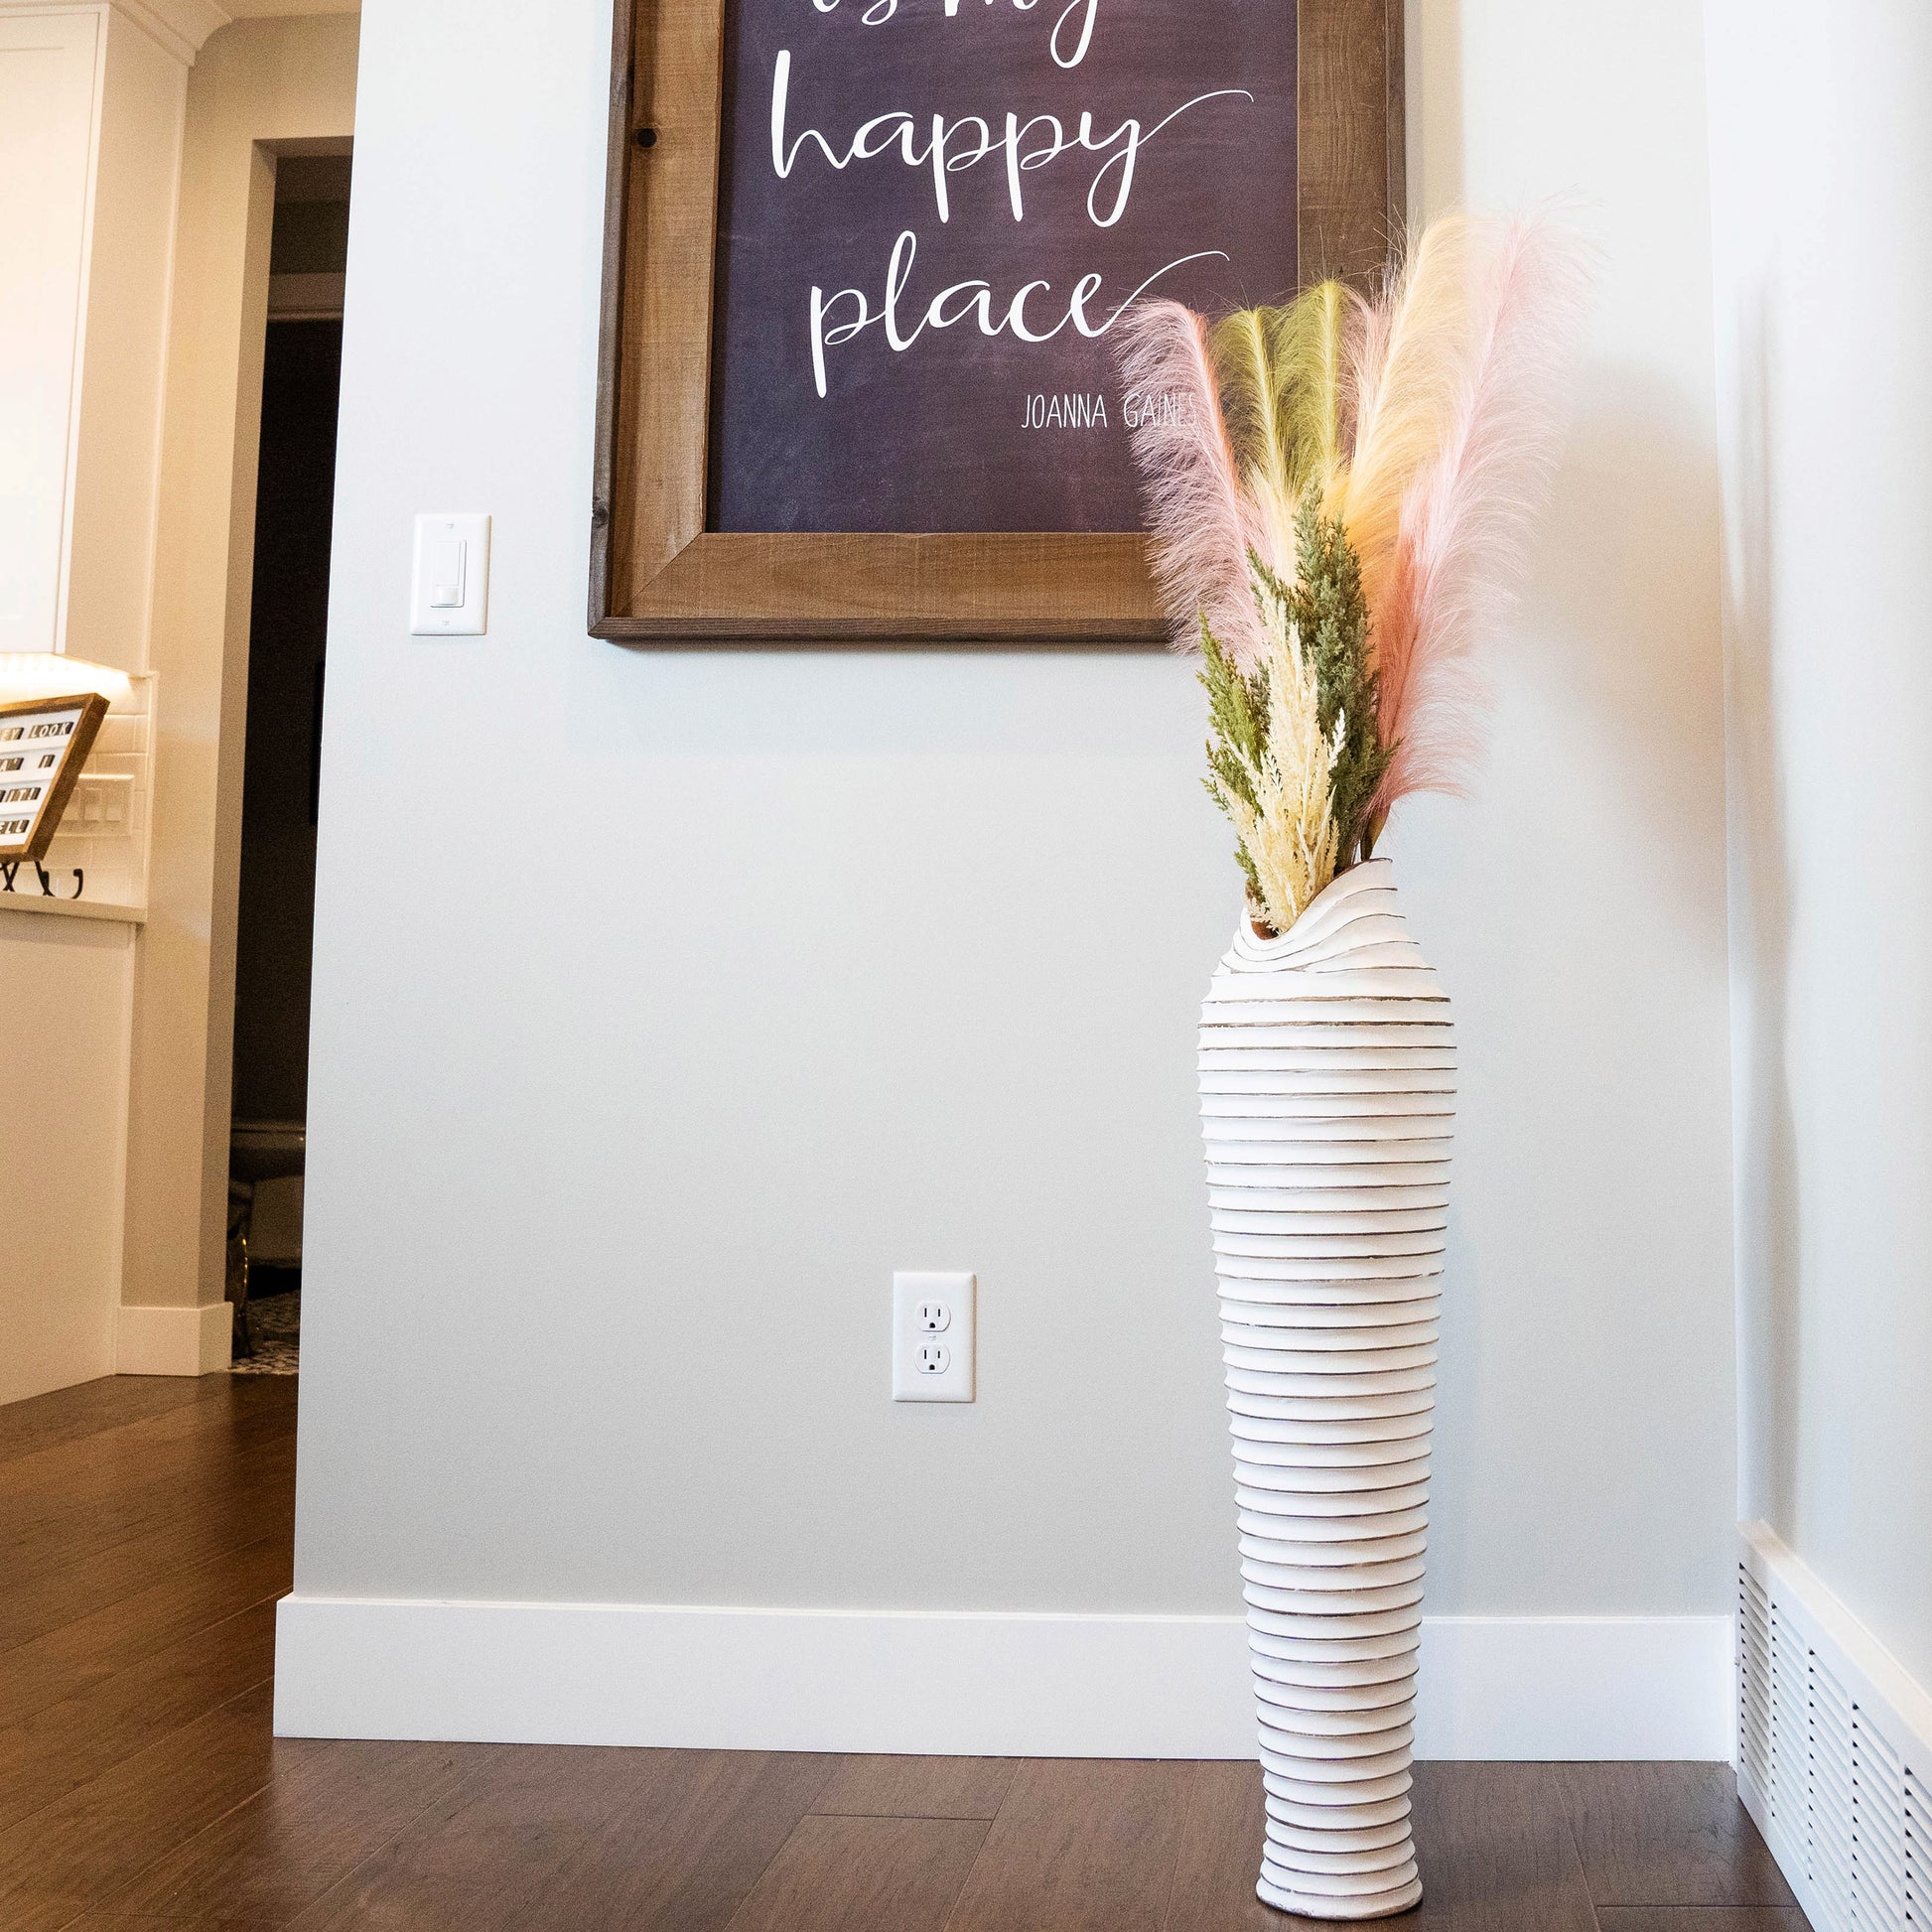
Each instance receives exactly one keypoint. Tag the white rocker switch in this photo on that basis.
(450, 584)
(446, 574)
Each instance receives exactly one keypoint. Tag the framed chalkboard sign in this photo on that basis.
(862, 261)
(44, 743)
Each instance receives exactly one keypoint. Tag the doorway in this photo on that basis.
(287, 659)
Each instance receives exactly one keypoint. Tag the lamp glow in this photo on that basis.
(28, 674)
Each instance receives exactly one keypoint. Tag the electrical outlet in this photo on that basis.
(932, 1337)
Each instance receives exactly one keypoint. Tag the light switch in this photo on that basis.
(450, 584)
(445, 573)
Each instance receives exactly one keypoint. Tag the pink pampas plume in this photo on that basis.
(1460, 547)
(1204, 525)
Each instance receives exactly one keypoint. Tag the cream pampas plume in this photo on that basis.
(1464, 519)
(1203, 524)
(1406, 370)
(1271, 766)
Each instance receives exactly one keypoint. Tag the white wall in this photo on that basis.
(63, 1147)
(260, 86)
(1578, 908)
(110, 576)
(91, 117)
(120, 544)
(1821, 144)
(845, 961)
(48, 78)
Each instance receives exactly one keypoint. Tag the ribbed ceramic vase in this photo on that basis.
(1327, 1077)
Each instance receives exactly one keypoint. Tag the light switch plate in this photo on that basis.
(934, 1329)
(451, 557)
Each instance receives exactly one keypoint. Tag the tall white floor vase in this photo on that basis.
(1328, 1073)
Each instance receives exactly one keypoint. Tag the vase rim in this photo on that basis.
(1270, 937)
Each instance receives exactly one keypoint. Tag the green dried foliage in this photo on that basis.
(1327, 736)
(1237, 712)
(1332, 615)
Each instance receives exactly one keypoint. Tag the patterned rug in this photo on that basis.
(275, 1327)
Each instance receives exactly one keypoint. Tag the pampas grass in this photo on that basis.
(1271, 766)
(1206, 526)
(1416, 433)
(1465, 519)
(1281, 374)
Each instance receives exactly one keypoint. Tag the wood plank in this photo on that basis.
(47, 1551)
(920, 1787)
(1395, 42)
(51, 1912)
(863, 1874)
(254, 1407)
(35, 1605)
(1079, 1846)
(670, 224)
(73, 1853)
(65, 1747)
(87, 1651)
(60, 1518)
(1668, 1835)
(962, 586)
(618, 136)
(557, 1839)
(1496, 1854)
(30, 1909)
(1702, 1918)
(328, 1809)
(1222, 1830)
(1492, 1840)
(45, 1422)
(1349, 88)
(115, 1922)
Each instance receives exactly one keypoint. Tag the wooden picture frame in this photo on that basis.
(44, 743)
(659, 576)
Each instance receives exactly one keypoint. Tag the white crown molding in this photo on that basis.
(181, 26)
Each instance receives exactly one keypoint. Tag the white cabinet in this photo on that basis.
(48, 63)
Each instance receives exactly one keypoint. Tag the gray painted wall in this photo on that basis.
(1823, 280)
(842, 962)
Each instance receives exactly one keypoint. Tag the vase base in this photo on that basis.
(1306, 1905)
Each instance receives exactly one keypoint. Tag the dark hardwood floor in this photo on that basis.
(144, 1535)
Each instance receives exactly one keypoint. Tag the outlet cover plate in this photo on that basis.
(920, 1300)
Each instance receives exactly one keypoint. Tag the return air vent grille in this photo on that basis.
(1821, 1769)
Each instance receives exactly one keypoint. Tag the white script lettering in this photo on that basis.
(831, 325)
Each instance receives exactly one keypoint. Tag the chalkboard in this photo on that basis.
(909, 507)
(929, 213)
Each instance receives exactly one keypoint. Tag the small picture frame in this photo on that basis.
(44, 743)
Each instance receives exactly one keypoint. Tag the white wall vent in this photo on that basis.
(1833, 1750)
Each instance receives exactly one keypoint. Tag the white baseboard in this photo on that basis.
(1557, 1689)
(1834, 1746)
(978, 1685)
(173, 1342)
